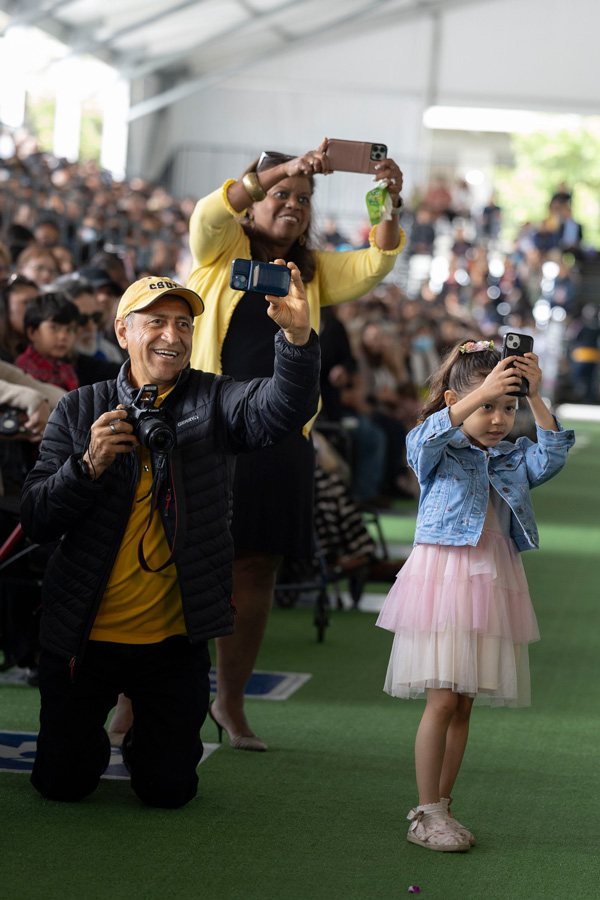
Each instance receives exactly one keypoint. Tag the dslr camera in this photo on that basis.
(151, 424)
(11, 420)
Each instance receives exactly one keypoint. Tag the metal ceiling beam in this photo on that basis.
(418, 10)
(163, 62)
(34, 15)
(159, 101)
(93, 45)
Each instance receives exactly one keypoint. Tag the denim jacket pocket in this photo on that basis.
(457, 515)
(437, 499)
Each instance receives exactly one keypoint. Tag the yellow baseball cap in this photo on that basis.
(148, 290)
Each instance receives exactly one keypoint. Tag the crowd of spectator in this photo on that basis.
(71, 228)
(74, 236)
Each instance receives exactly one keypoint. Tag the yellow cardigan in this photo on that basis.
(217, 238)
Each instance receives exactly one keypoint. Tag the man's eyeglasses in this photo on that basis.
(275, 156)
(84, 318)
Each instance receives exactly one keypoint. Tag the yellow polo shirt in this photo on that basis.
(141, 607)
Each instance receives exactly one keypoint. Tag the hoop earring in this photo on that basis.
(302, 240)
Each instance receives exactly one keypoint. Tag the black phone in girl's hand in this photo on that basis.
(263, 278)
(514, 344)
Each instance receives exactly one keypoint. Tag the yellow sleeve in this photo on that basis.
(352, 274)
(213, 226)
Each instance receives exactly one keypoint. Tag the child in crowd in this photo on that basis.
(51, 324)
(460, 608)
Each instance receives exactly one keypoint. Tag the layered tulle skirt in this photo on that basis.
(462, 619)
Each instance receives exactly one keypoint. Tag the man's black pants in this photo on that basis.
(168, 685)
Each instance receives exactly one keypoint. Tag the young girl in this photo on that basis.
(460, 608)
(50, 323)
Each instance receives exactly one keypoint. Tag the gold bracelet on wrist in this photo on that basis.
(252, 185)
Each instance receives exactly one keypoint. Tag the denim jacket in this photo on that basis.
(454, 477)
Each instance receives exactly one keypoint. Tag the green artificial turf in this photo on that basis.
(322, 814)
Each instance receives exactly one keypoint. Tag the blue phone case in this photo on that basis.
(263, 278)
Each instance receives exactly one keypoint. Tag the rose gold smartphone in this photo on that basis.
(354, 156)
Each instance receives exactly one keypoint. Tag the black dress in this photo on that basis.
(273, 488)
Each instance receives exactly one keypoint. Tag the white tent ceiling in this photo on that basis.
(283, 73)
(524, 53)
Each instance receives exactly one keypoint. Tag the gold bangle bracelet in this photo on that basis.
(252, 185)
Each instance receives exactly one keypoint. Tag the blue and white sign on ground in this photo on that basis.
(268, 685)
(17, 752)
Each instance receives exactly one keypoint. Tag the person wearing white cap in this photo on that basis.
(134, 476)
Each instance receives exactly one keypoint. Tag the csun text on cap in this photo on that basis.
(160, 285)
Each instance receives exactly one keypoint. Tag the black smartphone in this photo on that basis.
(514, 344)
(264, 278)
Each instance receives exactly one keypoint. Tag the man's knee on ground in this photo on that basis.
(165, 792)
(65, 788)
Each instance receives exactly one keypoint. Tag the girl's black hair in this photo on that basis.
(459, 372)
(51, 307)
(301, 254)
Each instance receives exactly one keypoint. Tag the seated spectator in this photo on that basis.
(20, 601)
(461, 245)
(566, 289)
(18, 238)
(331, 236)
(5, 261)
(382, 366)
(462, 201)
(570, 232)
(491, 220)
(47, 233)
(64, 258)
(90, 336)
(438, 198)
(424, 359)
(114, 265)
(108, 294)
(51, 327)
(343, 402)
(584, 348)
(15, 294)
(384, 373)
(422, 233)
(38, 263)
(545, 238)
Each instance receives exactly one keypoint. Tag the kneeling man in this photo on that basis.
(133, 482)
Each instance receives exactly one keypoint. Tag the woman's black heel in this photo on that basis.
(219, 726)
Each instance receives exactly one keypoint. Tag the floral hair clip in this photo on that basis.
(475, 346)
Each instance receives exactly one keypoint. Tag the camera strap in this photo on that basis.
(175, 495)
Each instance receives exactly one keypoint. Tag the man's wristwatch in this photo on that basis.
(83, 468)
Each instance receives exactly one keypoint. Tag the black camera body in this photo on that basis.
(11, 420)
(151, 424)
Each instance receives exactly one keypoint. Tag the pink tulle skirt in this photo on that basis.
(462, 619)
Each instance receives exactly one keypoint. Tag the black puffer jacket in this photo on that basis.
(215, 417)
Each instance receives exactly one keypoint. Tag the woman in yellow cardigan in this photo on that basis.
(264, 215)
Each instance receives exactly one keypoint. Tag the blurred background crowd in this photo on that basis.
(72, 239)
(70, 228)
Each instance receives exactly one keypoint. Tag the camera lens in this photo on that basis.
(156, 435)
